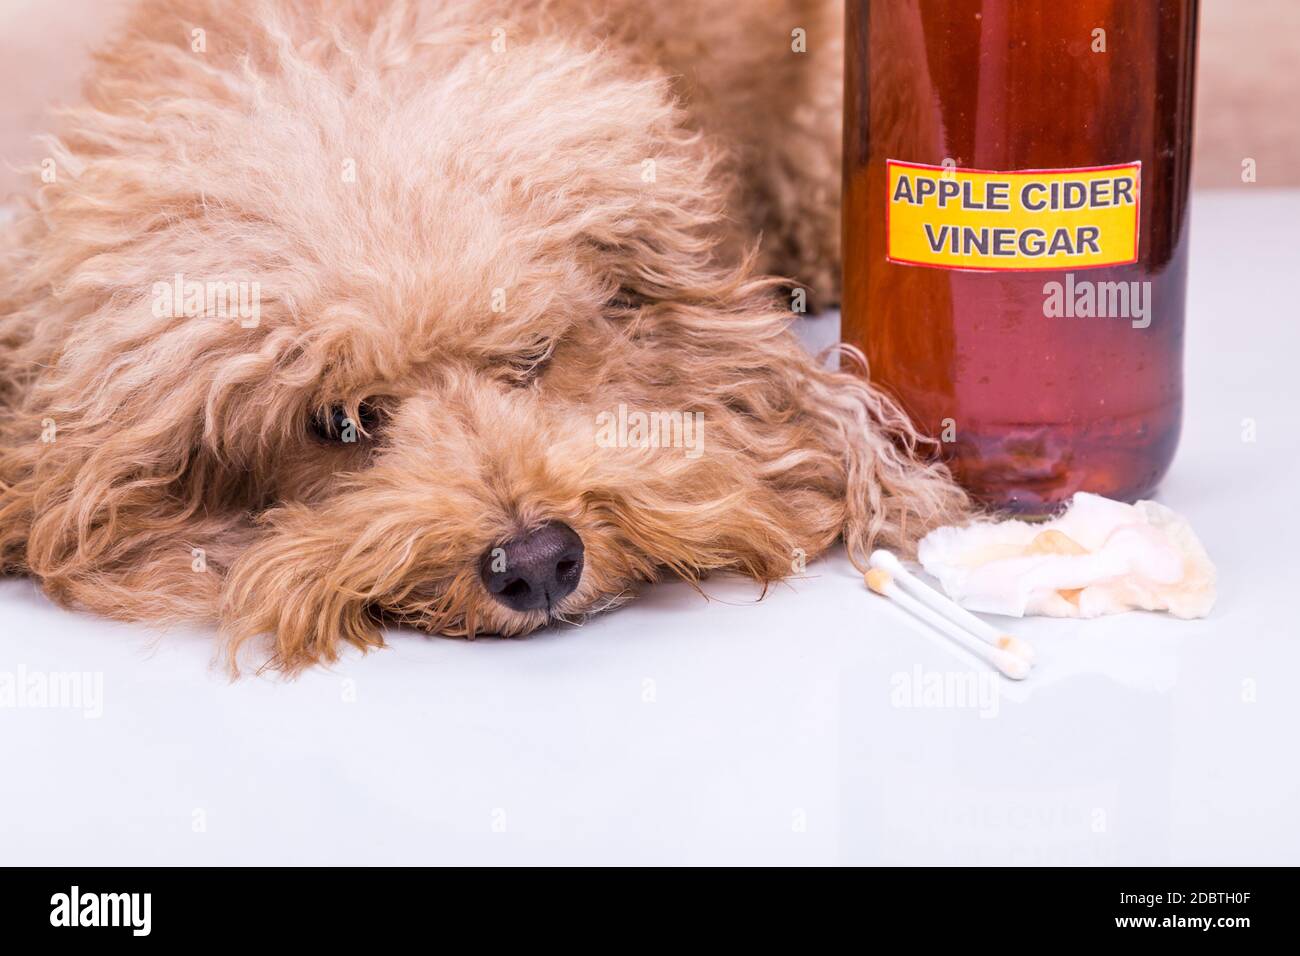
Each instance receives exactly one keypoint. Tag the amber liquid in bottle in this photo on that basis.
(1029, 408)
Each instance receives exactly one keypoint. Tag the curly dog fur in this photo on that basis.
(475, 226)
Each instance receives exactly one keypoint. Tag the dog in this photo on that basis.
(314, 316)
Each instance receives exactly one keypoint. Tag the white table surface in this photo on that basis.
(679, 730)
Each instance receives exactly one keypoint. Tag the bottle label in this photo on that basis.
(1030, 219)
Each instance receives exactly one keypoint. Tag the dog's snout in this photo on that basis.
(534, 570)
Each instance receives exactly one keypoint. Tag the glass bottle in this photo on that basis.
(1039, 336)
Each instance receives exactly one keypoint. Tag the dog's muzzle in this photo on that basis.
(535, 570)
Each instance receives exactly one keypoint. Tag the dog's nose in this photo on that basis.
(534, 570)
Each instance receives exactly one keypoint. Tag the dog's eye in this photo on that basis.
(336, 424)
(625, 302)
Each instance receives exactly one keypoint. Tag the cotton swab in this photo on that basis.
(887, 561)
(880, 581)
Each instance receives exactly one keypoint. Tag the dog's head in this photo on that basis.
(315, 341)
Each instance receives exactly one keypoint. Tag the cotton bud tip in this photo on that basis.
(878, 579)
(1014, 645)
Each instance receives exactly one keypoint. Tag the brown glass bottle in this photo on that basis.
(1031, 404)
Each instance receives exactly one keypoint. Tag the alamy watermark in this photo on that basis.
(943, 690)
(632, 428)
(212, 299)
(53, 690)
(76, 908)
(1085, 299)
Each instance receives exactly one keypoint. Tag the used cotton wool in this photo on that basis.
(1100, 557)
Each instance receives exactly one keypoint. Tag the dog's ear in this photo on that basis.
(822, 437)
(895, 491)
(109, 496)
(100, 513)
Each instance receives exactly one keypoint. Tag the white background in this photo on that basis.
(772, 734)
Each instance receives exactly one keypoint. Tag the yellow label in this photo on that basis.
(1032, 219)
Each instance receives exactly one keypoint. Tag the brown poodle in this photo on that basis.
(447, 313)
